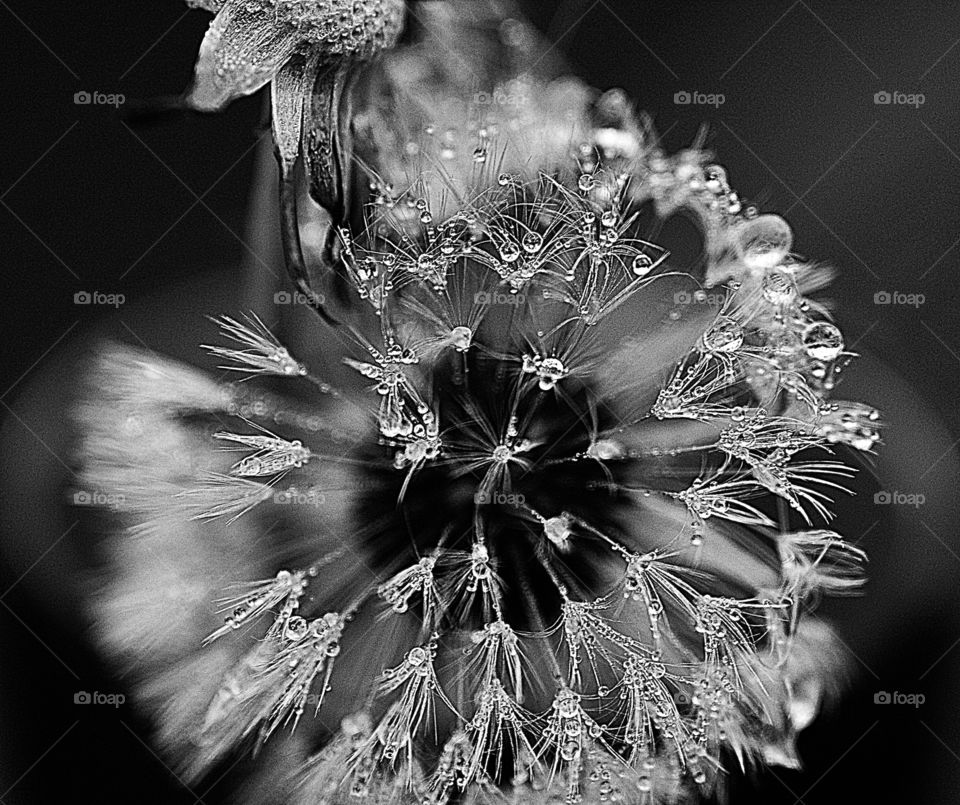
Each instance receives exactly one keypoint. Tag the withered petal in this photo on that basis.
(241, 52)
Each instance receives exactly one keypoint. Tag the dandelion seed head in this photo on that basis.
(559, 475)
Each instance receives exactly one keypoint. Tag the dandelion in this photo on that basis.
(552, 565)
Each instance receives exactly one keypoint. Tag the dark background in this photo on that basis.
(89, 204)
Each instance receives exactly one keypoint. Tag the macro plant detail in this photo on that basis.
(556, 533)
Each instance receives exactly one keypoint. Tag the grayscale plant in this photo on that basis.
(553, 530)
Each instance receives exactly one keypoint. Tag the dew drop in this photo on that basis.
(822, 341)
(570, 750)
(642, 264)
(532, 242)
(509, 252)
(295, 629)
(557, 530)
(725, 335)
(764, 241)
(461, 337)
(779, 288)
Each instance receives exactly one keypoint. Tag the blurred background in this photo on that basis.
(841, 116)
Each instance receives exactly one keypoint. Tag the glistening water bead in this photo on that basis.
(532, 242)
(726, 335)
(779, 287)
(822, 341)
(764, 241)
(642, 264)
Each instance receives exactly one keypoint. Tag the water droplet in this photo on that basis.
(295, 629)
(822, 341)
(779, 288)
(764, 242)
(642, 264)
(570, 751)
(585, 182)
(461, 337)
(606, 449)
(557, 530)
(725, 335)
(509, 252)
(532, 242)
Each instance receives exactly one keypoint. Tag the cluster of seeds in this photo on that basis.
(583, 484)
(508, 456)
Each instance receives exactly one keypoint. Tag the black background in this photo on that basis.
(87, 203)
